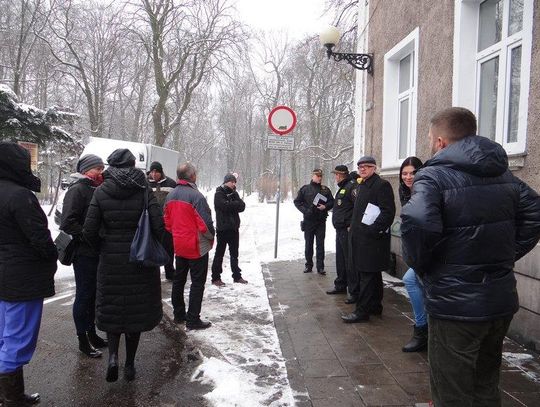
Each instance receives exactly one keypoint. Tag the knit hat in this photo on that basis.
(121, 158)
(229, 178)
(156, 165)
(87, 162)
(317, 171)
(367, 160)
(341, 169)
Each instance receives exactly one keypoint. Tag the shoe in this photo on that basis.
(95, 340)
(336, 291)
(353, 317)
(179, 319)
(12, 390)
(377, 312)
(321, 272)
(308, 270)
(112, 372)
(240, 280)
(86, 348)
(418, 341)
(350, 300)
(129, 372)
(200, 324)
(218, 283)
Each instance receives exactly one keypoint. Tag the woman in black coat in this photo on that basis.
(128, 298)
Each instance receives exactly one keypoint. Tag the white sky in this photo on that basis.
(296, 17)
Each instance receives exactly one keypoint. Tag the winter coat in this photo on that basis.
(468, 220)
(75, 206)
(128, 297)
(304, 203)
(162, 188)
(27, 253)
(344, 203)
(189, 219)
(371, 243)
(228, 205)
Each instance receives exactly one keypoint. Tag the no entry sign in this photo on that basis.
(282, 120)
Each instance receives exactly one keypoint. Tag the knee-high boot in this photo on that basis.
(12, 390)
(132, 343)
(112, 369)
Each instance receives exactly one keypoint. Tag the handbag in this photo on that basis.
(65, 245)
(145, 249)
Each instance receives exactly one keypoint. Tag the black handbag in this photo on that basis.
(65, 245)
(145, 249)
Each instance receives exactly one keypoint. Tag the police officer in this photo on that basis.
(314, 200)
(341, 219)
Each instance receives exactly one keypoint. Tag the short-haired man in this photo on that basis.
(189, 220)
(228, 205)
(341, 219)
(469, 219)
(161, 186)
(373, 214)
(314, 200)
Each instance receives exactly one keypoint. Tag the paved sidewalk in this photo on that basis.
(331, 363)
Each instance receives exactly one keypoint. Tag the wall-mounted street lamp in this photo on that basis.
(330, 38)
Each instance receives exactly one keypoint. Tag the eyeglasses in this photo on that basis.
(365, 167)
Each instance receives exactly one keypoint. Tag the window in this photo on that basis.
(500, 60)
(399, 103)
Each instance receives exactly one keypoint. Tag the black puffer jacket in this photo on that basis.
(468, 220)
(128, 297)
(344, 203)
(75, 206)
(304, 203)
(228, 205)
(27, 252)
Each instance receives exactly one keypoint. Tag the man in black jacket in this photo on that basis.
(341, 219)
(373, 214)
(162, 185)
(467, 222)
(228, 205)
(314, 200)
(27, 266)
(86, 259)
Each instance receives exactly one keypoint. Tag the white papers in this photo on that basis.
(371, 213)
(318, 199)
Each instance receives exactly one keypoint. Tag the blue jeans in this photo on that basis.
(416, 294)
(84, 313)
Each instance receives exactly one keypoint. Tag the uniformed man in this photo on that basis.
(314, 200)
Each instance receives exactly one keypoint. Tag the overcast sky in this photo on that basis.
(296, 17)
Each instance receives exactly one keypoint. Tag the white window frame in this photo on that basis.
(467, 60)
(392, 98)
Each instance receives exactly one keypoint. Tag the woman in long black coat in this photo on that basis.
(128, 297)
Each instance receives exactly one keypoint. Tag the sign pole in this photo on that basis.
(277, 205)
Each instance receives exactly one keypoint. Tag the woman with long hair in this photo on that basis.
(414, 288)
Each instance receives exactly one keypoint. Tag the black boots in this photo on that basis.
(418, 341)
(132, 343)
(86, 348)
(96, 341)
(12, 390)
(112, 367)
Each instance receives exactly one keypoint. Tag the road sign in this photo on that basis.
(280, 142)
(282, 120)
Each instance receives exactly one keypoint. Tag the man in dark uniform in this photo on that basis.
(373, 214)
(341, 219)
(314, 200)
(162, 185)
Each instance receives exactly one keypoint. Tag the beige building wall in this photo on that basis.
(393, 20)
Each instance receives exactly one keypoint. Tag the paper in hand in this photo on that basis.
(371, 214)
(319, 199)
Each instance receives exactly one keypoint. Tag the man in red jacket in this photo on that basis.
(189, 219)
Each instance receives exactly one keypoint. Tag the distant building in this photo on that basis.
(430, 55)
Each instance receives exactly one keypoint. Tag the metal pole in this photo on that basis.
(277, 205)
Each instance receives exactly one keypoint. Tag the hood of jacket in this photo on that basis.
(15, 166)
(474, 155)
(123, 182)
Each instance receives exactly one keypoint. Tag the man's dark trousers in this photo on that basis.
(315, 232)
(198, 268)
(465, 361)
(342, 258)
(224, 238)
(85, 269)
(370, 294)
(168, 245)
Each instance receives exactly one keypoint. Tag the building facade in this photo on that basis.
(430, 55)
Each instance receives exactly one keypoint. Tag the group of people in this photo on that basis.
(466, 220)
(101, 212)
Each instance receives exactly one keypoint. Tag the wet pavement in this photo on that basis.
(330, 363)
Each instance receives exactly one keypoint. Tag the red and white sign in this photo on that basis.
(282, 120)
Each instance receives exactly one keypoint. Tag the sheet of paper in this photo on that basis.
(319, 199)
(371, 213)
